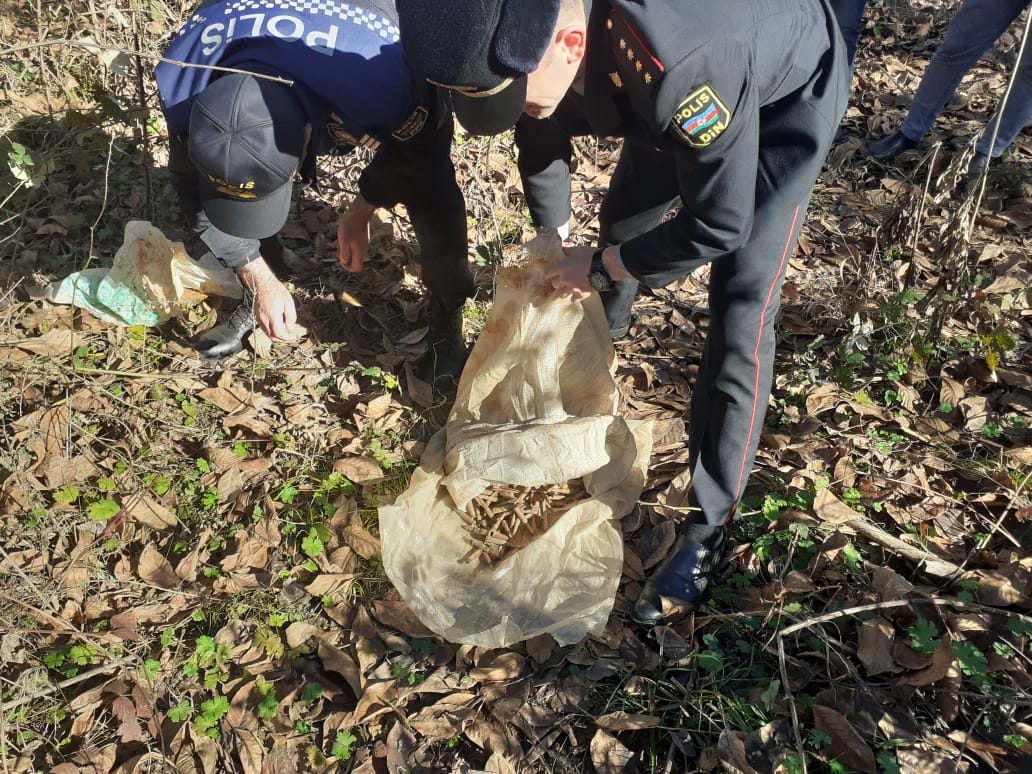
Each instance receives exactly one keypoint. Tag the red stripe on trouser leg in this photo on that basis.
(756, 360)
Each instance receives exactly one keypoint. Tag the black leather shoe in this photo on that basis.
(684, 575)
(617, 304)
(441, 365)
(227, 338)
(889, 147)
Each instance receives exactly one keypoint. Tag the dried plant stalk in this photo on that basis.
(506, 517)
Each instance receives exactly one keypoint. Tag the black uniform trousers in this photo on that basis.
(730, 398)
(418, 173)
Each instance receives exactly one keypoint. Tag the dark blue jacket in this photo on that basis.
(345, 61)
(348, 72)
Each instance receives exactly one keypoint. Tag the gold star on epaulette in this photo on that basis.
(630, 53)
(637, 66)
(623, 43)
(648, 77)
(617, 80)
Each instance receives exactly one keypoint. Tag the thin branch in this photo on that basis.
(96, 47)
(887, 605)
(55, 687)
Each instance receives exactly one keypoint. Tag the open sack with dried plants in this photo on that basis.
(510, 526)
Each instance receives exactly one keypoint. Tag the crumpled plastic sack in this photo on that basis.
(147, 284)
(536, 405)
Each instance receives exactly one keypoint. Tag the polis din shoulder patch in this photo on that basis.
(701, 117)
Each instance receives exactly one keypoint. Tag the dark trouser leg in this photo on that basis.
(438, 214)
(848, 15)
(441, 230)
(629, 209)
(729, 404)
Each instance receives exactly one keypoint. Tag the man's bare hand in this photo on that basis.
(353, 234)
(273, 305)
(570, 276)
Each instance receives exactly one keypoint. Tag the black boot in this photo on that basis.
(227, 338)
(617, 303)
(441, 365)
(889, 147)
(685, 575)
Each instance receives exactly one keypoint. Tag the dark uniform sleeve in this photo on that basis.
(717, 175)
(400, 164)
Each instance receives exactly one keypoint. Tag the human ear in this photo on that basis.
(572, 40)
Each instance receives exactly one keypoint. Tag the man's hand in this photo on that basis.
(273, 304)
(353, 234)
(570, 275)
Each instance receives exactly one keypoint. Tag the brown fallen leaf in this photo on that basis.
(874, 648)
(146, 510)
(395, 614)
(503, 665)
(57, 342)
(732, 754)
(250, 750)
(229, 399)
(831, 509)
(364, 543)
(439, 723)
(155, 568)
(336, 660)
(846, 746)
(59, 471)
(360, 470)
(377, 699)
(500, 764)
(920, 760)
(609, 755)
(129, 729)
(623, 721)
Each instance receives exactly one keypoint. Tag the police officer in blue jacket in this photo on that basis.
(295, 79)
(726, 109)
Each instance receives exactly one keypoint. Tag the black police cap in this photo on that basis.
(246, 138)
(482, 50)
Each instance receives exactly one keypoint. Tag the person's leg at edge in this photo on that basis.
(969, 36)
(849, 14)
(1015, 115)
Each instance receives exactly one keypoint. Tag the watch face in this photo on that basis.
(600, 281)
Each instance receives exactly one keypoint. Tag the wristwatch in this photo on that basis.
(598, 277)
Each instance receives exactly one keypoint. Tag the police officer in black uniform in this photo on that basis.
(726, 109)
(294, 79)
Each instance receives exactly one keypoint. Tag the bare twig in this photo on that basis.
(55, 687)
(91, 46)
(911, 275)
